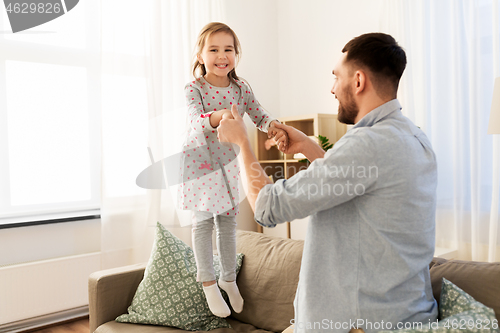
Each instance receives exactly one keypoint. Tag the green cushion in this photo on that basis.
(169, 295)
(459, 313)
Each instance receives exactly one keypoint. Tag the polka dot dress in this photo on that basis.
(209, 169)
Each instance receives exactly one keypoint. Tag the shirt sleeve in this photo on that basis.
(347, 171)
(257, 114)
(199, 120)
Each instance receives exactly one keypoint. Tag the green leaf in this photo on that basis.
(324, 143)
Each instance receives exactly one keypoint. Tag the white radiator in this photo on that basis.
(44, 287)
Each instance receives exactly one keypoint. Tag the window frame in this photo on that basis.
(89, 58)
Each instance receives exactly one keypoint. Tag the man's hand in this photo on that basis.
(296, 139)
(233, 130)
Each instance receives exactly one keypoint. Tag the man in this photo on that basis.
(371, 201)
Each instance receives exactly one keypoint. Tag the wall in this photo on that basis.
(256, 25)
(291, 46)
(25, 244)
(311, 37)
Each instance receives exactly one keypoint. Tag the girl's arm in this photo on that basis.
(199, 120)
(216, 116)
(262, 120)
(259, 116)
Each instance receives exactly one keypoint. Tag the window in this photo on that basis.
(50, 99)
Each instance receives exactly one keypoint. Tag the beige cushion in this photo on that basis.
(481, 280)
(114, 327)
(268, 279)
(436, 262)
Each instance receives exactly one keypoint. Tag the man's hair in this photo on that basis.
(382, 56)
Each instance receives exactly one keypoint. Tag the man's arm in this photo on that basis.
(234, 130)
(298, 142)
(257, 178)
(326, 183)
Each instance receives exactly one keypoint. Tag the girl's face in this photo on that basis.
(218, 56)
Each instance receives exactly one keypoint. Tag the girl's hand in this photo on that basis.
(280, 136)
(269, 143)
(271, 131)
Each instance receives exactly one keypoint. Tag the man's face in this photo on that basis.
(343, 91)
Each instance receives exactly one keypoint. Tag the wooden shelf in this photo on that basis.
(294, 161)
(271, 161)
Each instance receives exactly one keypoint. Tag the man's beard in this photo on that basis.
(348, 110)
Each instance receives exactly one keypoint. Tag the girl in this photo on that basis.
(209, 170)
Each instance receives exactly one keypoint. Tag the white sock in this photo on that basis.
(216, 303)
(234, 294)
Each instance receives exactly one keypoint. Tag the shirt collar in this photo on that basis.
(377, 114)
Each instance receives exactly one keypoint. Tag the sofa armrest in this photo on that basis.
(111, 292)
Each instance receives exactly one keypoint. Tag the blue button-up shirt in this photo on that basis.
(370, 238)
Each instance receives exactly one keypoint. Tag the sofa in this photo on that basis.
(267, 281)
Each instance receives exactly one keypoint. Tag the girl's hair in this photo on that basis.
(205, 33)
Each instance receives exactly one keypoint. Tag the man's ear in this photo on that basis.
(360, 81)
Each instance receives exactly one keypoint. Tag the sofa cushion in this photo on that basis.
(459, 312)
(114, 327)
(478, 279)
(436, 261)
(268, 279)
(169, 294)
(455, 301)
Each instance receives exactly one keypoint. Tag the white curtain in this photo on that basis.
(147, 51)
(453, 56)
